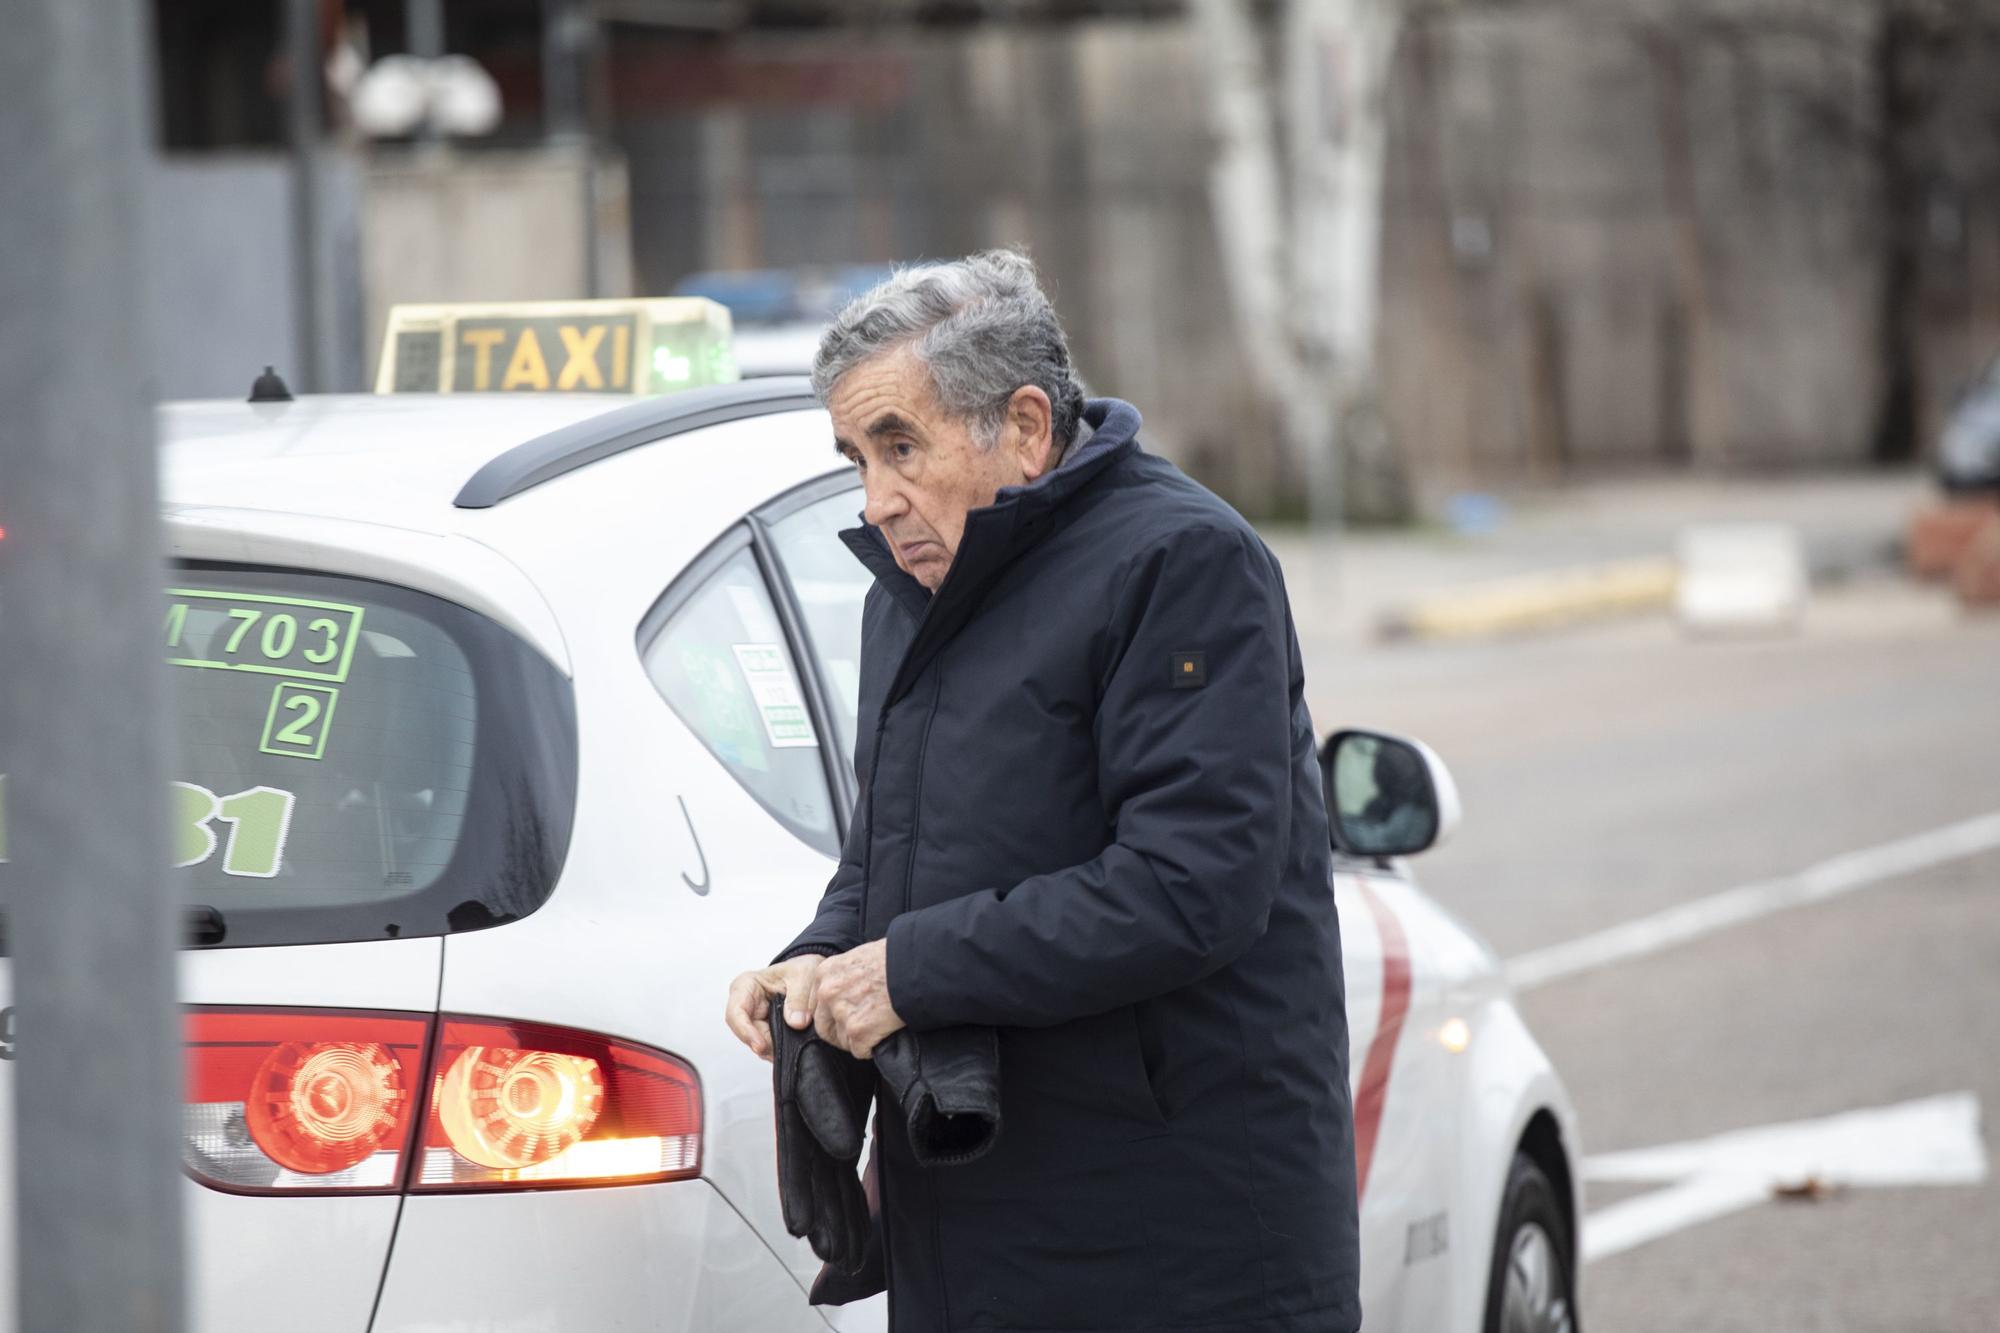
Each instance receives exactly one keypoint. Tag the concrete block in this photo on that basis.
(1741, 576)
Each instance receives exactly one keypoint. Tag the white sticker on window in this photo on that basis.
(786, 722)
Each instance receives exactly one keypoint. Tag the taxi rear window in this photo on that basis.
(355, 760)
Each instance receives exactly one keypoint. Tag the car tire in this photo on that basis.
(1532, 1286)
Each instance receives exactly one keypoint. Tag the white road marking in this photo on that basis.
(1618, 1228)
(1747, 902)
(1932, 1141)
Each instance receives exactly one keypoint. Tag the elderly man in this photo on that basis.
(1090, 817)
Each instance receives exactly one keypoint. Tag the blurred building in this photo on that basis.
(1740, 233)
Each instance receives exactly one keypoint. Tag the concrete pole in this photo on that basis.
(90, 919)
(305, 130)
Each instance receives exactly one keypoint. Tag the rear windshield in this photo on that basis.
(354, 760)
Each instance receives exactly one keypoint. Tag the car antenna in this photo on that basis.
(269, 388)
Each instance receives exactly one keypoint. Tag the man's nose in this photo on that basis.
(885, 501)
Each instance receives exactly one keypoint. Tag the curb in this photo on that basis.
(1540, 601)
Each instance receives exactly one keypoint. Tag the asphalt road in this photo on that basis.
(1614, 772)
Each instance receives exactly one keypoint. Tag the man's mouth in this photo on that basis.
(917, 550)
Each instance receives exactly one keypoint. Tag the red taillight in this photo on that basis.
(301, 1100)
(521, 1104)
(322, 1106)
(327, 1101)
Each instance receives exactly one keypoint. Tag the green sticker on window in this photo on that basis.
(278, 636)
(298, 720)
(258, 820)
(720, 708)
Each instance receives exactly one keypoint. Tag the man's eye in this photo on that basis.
(902, 450)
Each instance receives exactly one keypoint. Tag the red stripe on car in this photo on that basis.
(1373, 1090)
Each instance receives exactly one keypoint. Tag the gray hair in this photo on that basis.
(980, 325)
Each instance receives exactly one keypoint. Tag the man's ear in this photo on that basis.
(1029, 430)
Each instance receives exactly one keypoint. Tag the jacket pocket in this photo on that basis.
(1148, 1041)
(1088, 1071)
(1126, 1068)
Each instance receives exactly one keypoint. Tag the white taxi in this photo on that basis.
(511, 726)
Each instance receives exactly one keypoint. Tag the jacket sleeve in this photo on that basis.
(1196, 785)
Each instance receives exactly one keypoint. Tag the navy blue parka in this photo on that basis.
(1091, 816)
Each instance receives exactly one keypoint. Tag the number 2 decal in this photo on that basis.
(294, 732)
(296, 724)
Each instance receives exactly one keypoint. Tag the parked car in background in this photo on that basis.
(779, 313)
(1968, 456)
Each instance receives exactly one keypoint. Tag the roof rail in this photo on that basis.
(549, 456)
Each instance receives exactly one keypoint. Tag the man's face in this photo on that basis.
(920, 467)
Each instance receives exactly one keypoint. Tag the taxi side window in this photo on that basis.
(829, 585)
(722, 663)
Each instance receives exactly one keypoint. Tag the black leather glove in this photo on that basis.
(947, 1083)
(835, 1287)
(821, 1096)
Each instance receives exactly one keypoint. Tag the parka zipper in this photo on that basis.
(923, 753)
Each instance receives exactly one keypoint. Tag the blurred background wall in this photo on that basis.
(1636, 236)
(1654, 235)
(1083, 142)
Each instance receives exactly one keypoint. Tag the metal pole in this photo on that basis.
(303, 122)
(423, 28)
(423, 33)
(90, 924)
(569, 48)
(565, 117)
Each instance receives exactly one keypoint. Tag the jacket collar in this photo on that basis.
(995, 535)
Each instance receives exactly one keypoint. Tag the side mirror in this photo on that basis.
(1386, 796)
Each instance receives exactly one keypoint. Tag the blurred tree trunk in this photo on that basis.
(1699, 361)
(1300, 231)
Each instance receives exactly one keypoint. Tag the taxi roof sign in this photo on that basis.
(620, 346)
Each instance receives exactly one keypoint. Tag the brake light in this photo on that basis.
(298, 1100)
(329, 1101)
(318, 1107)
(508, 1108)
(523, 1104)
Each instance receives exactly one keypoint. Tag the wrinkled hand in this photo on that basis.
(851, 1005)
(749, 1007)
